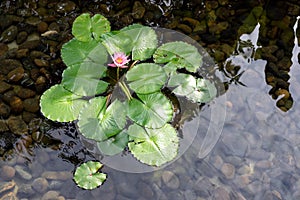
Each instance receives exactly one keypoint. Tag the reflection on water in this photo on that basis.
(258, 153)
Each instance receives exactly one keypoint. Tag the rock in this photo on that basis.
(42, 27)
(50, 195)
(53, 175)
(32, 44)
(221, 194)
(28, 116)
(25, 190)
(16, 74)
(264, 164)
(21, 37)
(170, 179)
(138, 10)
(65, 7)
(23, 173)
(7, 172)
(41, 62)
(22, 53)
(242, 181)
(10, 65)
(9, 34)
(40, 185)
(185, 28)
(16, 105)
(4, 110)
(34, 21)
(23, 93)
(31, 105)
(145, 190)
(228, 170)
(3, 49)
(3, 125)
(17, 125)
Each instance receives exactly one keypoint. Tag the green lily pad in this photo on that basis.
(152, 110)
(146, 78)
(84, 80)
(59, 104)
(114, 145)
(198, 90)
(181, 54)
(86, 28)
(140, 40)
(205, 91)
(100, 123)
(153, 146)
(85, 54)
(87, 175)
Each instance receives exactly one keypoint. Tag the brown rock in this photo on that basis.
(228, 170)
(7, 172)
(17, 125)
(23, 93)
(8, 65)
(3, 126)
(138, 10)
(4, 110)
(28, 116)
(9, 34)
(16, 105)
(22, 53)
(221, 194)
(54, 175)
(31, 105)
(185, 28)
(16, 74)
(40, 185)
(4, 86)
(32, 44)
(3, 49)
(41, 62)
(21, 37)
(42, 27)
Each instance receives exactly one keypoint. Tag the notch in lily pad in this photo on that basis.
(88, 176)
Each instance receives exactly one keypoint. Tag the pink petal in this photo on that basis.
(112, 65)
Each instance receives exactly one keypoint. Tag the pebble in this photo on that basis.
(25, 190)
(4, 110)
(65, 7)
(138, 10)
(145, 190)
(21, 37)
(9, 34)
(41, 62)
(23, 173)
(228, 170)
(53, 175)
(170, 180)
(7, 172)
(17, 125)
(31, 105)
(42, 27)
(40, 185)
(3, 49)
(23, 93)
(16, 74)
(3, 126)
(221, 194)
(50, 195)
(16, 105)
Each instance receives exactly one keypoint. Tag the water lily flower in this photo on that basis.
(120, 60)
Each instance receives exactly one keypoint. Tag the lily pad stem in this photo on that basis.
(125, 90)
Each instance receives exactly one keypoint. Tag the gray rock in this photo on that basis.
(23, 172)
(228, 170)
(50, 195)
(9, 34)
(221, 194)
(25, 190)
(145, 190)
(170, 179)
(40, 185)
(7, 172)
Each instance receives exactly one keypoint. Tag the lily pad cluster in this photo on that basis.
(141, 121)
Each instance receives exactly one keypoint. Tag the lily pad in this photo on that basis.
(146, 78)
(86, 28)
(153, 146)
(151, 110)
(205, 91)
(59, 104)
(84, 80)
(85, 54)
(87, 175)
(114, 145)
(100, 123)
(181, 54)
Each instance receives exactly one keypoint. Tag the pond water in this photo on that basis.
(253, 151)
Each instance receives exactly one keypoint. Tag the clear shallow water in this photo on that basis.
(256, 157)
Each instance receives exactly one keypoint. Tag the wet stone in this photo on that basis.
(7, 172)
(21, 37)
(9, 34)
(10, 64)
(4, 110)
(138, 10)
(3, 49)
(24, 93)
(145, 190)
(40, 185)
(50, 195)
(41, 62)
(34, 21)
(53, 175)
(221, 194)
(170, 179)
(16, 105)
(42, 27)
(4, 86)
(228, 170)
(23, 172)
(185, 28)
(31, 105)
(22, 53)
(25, 190)
(32, 44)
(65, 7)
(3, 126)
(16, 74)
(17, 125)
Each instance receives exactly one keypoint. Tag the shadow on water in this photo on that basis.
(255, 45)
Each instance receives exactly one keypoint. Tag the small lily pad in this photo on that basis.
(87, 175)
